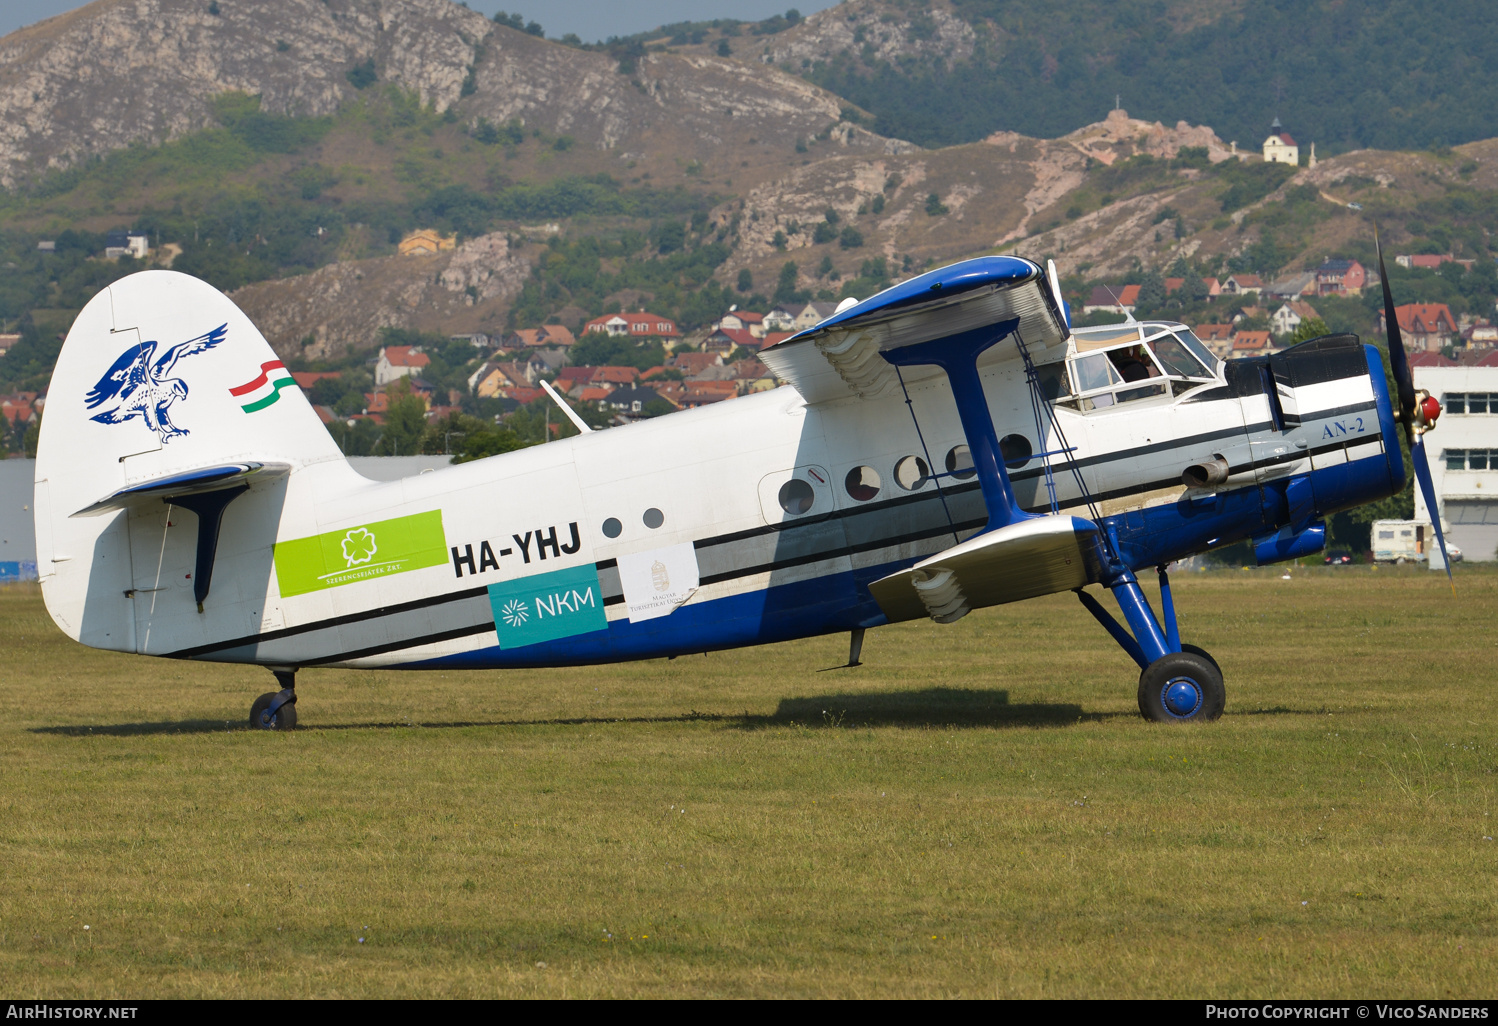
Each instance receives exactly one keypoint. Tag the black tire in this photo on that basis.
(1181, 687)
(1194, 650)
(284, 719)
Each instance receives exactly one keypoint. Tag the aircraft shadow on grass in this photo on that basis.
(929, 707)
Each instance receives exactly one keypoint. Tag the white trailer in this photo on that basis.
(1402, 541)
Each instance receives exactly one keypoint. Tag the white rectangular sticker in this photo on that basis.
(657, 582)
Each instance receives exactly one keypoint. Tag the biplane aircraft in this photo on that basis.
(948, 444)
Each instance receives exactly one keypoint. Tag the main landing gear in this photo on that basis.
(1177, 683)
(276, 710)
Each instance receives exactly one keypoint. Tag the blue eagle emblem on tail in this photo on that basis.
(139, 384)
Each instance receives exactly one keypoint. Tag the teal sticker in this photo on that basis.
(546, 607)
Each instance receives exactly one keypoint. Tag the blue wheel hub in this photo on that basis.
(1181, 696)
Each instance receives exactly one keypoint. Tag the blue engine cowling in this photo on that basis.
(1288, 543)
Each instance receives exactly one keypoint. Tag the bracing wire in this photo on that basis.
(930, 466)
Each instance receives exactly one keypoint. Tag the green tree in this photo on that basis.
(1309, 328)
(405, 422)
(1151, 295)
(746, 280)
(785, 285)
(851, 238)
(934, 206)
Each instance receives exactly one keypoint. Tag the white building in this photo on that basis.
(1288, 317)
(1280, 148)
(1463, 452)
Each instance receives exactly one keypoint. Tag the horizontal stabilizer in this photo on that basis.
(1037, 556)
(192, 482)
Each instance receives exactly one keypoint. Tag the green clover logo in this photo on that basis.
(359, 546)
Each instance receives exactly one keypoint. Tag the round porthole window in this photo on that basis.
(862, 483)
(912, 473)
(960, 462)
(1016, 451)
(796, 496)
(612, 528)
(654, 518)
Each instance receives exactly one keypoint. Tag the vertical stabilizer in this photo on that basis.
(161, 377)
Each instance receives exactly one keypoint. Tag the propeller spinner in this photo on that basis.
(1418, 410)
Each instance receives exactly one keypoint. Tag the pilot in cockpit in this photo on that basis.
(1133, 363)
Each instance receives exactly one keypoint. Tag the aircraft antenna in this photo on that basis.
(577, 421)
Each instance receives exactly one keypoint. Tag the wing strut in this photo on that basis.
(957, 355)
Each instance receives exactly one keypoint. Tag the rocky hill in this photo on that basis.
(118, 72)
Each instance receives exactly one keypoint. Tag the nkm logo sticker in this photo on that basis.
(360, 553)
(545, 607)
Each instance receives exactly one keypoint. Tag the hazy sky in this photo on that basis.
(593, 20)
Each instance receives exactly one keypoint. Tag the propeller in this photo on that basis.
(1418, 410)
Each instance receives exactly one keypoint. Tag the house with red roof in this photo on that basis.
(613, 377)
(399, 362)
(726, 340)
(1242, 284)
(1424, 326)
(1341, 278)
(638, 324)
(1252, 343)
(1119, 299)
(692, 364)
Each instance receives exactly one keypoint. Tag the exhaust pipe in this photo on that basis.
(1204, 475)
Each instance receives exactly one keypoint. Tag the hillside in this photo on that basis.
(1393, 74)
(665, 173)
(118, 72)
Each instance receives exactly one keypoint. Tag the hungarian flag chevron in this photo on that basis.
(265, 388)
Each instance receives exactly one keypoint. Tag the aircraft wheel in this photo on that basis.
(261, 718)
(1181, 687)
(1194, 650)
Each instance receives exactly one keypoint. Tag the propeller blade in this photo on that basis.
(1399, 363)
(1428, 489)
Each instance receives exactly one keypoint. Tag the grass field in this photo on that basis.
(978, 811)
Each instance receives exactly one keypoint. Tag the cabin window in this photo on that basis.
(960, 462)
(1052, 379)
(862, 483)
(796, 497)
(655, 518)
(1094, 372)
(1386, 536)
(1016, 451)
(612, 528)
(912, 473)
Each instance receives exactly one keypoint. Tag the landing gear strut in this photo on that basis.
(1177, 683)
(276, 710)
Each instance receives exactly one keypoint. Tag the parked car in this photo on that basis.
(1340, 557)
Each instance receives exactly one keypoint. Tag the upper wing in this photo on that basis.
(127, 374)
(193, 345)
(842, 355)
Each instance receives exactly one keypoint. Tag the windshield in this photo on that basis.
(1198, 349)
(1177, 360)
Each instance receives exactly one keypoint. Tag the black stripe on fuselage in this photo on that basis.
(872, 509)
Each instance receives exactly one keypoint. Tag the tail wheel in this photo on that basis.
(1181, 687)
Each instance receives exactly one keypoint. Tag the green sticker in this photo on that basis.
(361, 553)
(546, 607)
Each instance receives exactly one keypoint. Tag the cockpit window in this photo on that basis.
(1094, 371)
(1133, 364)
(1198, 349)
(1177, 360)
